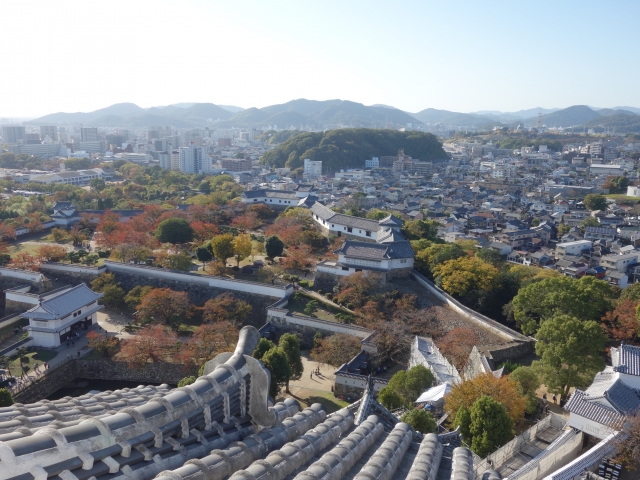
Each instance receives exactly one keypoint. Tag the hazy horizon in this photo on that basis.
(460, 56)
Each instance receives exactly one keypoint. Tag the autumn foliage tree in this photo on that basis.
(336, 349)
(298, 258)
(622, 322)
(102, 344)
(464, 274)
(500, 389)
(52, 253)
(208, 341)
(164, 306)
(457, 344)
(153, 343)
(227, 308)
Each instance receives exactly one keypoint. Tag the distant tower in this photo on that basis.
(539, 118)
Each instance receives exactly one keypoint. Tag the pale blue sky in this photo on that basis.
(453, 55)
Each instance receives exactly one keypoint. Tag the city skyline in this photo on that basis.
(459, 56)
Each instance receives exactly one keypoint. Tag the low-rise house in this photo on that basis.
(572, 248)
(618, 279)
(277, 199)
(600, 233)
(56, 318)
(621, 263)
(389, 260)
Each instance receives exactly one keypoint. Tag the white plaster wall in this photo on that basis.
(208, 281)
(21, 274)
(326, 326)
(589, 426)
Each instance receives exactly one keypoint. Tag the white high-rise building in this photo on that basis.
(312, 168)
(194, 160)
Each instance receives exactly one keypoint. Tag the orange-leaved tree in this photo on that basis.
(226, 307)
(208, 341)
(500, 389)
(102, 344)
(52, 253)
(622, 322)
(457, 345)
(165, 306)
(153, 343)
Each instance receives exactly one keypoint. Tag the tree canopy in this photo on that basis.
(174, 230)
(490, 426)
(346, 147)
(595, 202)
(406, 386)
(570, 352)
(587, 298)
(421, 421)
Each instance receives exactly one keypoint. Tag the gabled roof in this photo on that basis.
(580, 405)
(391, 221)
(376, 251)
(322, 212)
(63, 304)
(626, 359)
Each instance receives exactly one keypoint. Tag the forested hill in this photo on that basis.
(350, 147)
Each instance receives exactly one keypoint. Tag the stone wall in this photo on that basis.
(156, 373)
(49, 383)
(159, 372)
(399, 273)
(507, 351)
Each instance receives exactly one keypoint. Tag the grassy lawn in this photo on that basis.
(308, 397)
(22, 248)
(324, 312)
(623, 197)
(36, 356)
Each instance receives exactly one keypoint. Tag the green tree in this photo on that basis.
(632, 292)
(570, 352)
(97, 184)
(6, 399)
(311, 307)
(421, 229)
(590, 222)
(595, 202)
(77, 163)
(490, 426)
(526, 378)
(113, 295)
(133, 298)
(390, 399)
(408, 386)
(277, 362)
(222, 247)
(290, 343)
(204, 254)
(463, 420)
(421, 421)
(586, 298)
(489, 255)
(273, 246)
(174, 230)
(264, 345)
(205, 187)
(186, 381)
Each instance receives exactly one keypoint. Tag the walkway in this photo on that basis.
(109, 322)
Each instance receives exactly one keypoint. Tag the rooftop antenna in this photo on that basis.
(539, 125)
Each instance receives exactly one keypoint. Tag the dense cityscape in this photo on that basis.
(320, 288)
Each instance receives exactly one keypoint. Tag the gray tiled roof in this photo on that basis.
(282, 194)
(376, 251)
(580, 405)
(391, 221)
(63, 304)
(390, 235)
(321, 211)
(355, 222)
(627, 360)
(623, 398)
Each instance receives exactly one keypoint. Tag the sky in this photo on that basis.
(455, 55)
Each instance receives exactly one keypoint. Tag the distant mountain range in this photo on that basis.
(334, 113)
